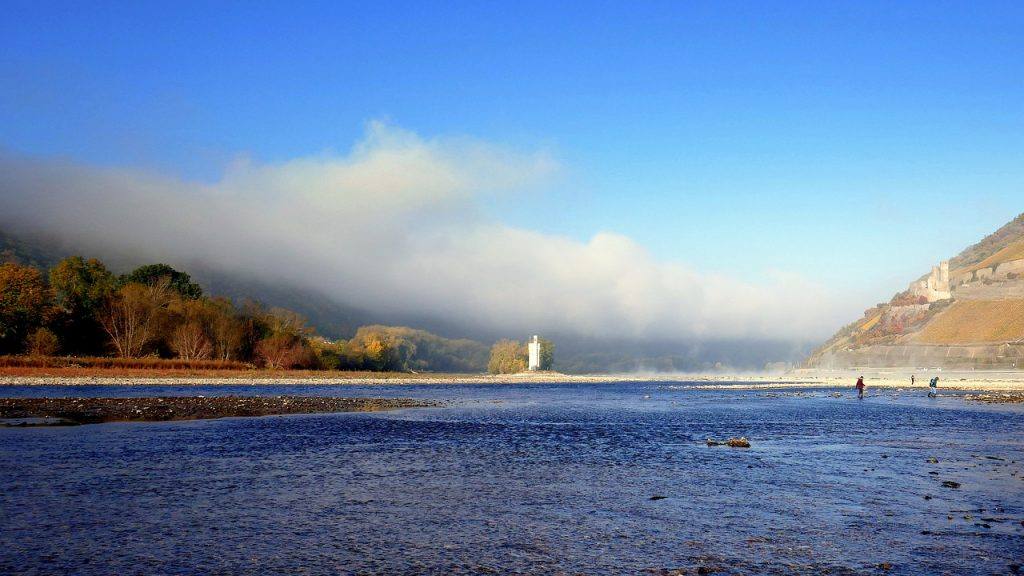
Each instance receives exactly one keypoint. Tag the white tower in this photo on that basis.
(534, 349)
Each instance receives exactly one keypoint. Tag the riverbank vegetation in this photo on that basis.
(511, 356)
(80, 315)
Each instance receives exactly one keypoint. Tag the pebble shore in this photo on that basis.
(72, 411)
(975, 381)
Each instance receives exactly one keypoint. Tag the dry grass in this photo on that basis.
(870, 323)
(103, 362)
(1010, 252)
(23, 366)
(976, 321)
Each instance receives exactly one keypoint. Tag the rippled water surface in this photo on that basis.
(531, 479)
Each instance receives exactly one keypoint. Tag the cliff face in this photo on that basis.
(968, 312)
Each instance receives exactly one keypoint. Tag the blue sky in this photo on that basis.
(854, 143)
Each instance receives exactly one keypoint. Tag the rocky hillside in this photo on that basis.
(968, 312)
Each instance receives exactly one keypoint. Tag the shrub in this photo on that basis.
(43, 342)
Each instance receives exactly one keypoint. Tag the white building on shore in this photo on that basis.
(534, 349)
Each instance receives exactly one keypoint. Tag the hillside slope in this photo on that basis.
(968, 312)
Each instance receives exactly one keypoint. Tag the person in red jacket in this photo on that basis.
(860, 388)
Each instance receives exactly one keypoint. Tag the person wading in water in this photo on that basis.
(860, 388)
(933, 387)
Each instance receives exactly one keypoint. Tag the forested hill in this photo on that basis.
(968, 312)
(38, 254)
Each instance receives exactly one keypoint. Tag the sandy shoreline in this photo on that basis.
(988, 381)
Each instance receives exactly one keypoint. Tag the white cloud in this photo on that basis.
(395, 225)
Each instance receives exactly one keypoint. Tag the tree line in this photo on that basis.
(80, 308)
(512, 356)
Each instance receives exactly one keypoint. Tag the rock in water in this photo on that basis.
(740, 442)
(950, 484)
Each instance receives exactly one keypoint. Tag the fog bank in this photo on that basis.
(395, 225)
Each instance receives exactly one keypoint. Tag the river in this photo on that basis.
(523, 478)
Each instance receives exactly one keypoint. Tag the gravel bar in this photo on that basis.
(71, 411)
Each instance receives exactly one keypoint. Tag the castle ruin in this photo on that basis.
(936, 286)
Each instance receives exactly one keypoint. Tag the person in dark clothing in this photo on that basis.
(860, 388)
(933, 387)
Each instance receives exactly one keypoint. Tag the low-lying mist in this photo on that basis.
(395, 226)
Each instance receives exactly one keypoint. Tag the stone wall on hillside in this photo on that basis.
(1012, 267)
(980, 357)
(995, 291)
(1006, 270)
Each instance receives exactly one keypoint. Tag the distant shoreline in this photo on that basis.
(994, 381)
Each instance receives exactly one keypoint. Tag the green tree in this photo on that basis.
(26, 303)
(81, 287)
(507, 357)
(547, 354)
(178, 281)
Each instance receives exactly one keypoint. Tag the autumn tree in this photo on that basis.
(280, 351)
(226, 329)
(507, 357)
(328, 354)
(131, 317)
(284, 345)
(284, 321)
(351, 355)
(377, 350)
(26, 303)
(253, 327)
(190, 342)
(385, 348)
(42, 342)
(184, 330)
